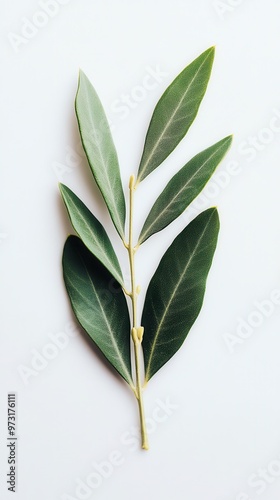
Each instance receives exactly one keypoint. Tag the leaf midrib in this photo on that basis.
(178, 193)
(108, 184)
(106, 322)
(171, 299)
(144, 168)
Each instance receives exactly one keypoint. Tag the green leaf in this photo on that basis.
(175, 112)
(183, 188)
(100, 150)
(91, 232)
(99, 304)
(175, 294)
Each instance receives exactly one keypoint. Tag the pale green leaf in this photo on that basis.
(91, 232)
(175, 112)
(176, 291)
(100, 150)
(183, 188)
(99, 304)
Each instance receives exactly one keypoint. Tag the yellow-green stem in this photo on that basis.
(136, 341)
(144, 435)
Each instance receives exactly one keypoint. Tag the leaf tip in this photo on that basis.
(227, 141)
(213, 209)
(81, 73)
(210, 52)
(215, 214)
(212, 212)
(82, 76)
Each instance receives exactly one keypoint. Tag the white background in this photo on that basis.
(75, 411)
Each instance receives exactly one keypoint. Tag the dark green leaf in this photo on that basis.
(100, 150)
(91, 232)
(99, 304)
(183, 188)
(175, 294)
(175, 112)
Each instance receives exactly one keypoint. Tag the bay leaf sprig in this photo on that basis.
(91, 269)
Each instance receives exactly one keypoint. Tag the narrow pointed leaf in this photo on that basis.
(91, 232)
(175, 294)
(175, 112)
(100, 150)
(183, 188)
(99, 304)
